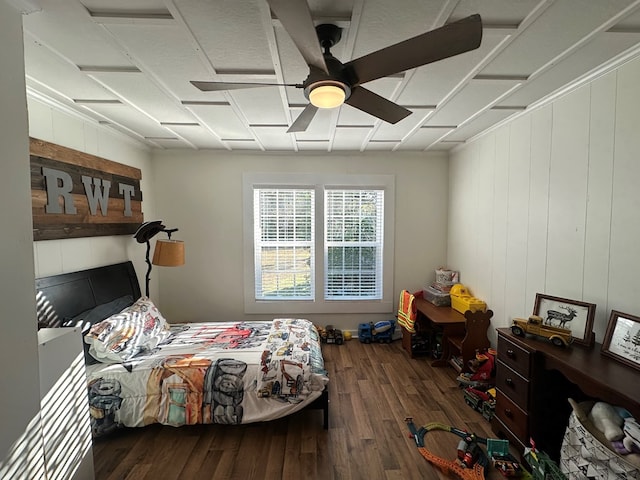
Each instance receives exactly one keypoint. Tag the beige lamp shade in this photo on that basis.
(169, 253)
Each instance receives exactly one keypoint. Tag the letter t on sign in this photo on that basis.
(58, 184)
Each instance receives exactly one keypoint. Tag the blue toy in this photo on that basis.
(377, 332)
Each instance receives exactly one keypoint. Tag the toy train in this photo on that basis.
(377, 332)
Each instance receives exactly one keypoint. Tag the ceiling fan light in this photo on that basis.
(327, 96)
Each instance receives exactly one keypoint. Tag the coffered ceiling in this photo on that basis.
(127, 64)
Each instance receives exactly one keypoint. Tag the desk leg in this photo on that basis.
(447, 331)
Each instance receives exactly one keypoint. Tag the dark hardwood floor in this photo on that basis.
(372, 389)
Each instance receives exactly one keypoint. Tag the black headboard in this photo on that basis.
(66, 295)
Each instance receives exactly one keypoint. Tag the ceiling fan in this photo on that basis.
(331, 83)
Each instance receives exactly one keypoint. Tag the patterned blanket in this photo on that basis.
(230, 373)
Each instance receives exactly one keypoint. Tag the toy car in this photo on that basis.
(333, 335)
(534, 325)
(507, 465)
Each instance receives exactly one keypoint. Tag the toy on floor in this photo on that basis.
(471, 461)
(484, 401)
(542, 467)
(330, 334)
(483, 370)
(377, 332)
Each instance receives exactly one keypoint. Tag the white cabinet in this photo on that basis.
(64, 407)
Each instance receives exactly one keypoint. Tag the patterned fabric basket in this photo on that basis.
(584, 457)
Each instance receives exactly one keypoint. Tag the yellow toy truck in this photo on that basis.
(561, 337)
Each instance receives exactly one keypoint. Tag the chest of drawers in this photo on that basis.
(513, 395)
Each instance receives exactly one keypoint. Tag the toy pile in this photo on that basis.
(471, 461)
(483, 370)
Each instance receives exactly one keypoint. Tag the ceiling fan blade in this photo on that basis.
(378, 106)
(222, 86)
(446, 41)
(296, 19)
(304, 119)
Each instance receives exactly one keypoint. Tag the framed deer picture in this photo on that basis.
(573, 315)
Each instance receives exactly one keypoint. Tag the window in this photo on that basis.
(321, 247)
(353, 244)
(283, 243)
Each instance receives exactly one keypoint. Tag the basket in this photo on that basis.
(583, 456)
(447, 277)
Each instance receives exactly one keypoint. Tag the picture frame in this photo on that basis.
(622, 339)
(573, 315)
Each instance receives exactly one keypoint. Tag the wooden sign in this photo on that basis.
(74, 194)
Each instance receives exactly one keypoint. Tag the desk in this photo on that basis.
(452, 325)
(534, 379)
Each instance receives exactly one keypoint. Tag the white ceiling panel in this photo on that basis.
(423, 138)
(261, 106)
(243, 145)
(551, 34)
(473, 98)
(432, 83)
(274, 138)
(226, 122)
(137, 90)
(607, 45)
(495, 12)
(349, 138)
(481, 123)
(313, 146)
(195, 135)
(165, 54)
(380, 145)
(221, 40)
(59, 75)
(130, 118)
(320, 126)
(396, 132)
(144, 53)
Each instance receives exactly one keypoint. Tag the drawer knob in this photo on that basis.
(510, 353)
(509, 382)
(508, 413)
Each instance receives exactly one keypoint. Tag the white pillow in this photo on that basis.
(138, 328)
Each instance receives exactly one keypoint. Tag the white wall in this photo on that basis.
(549, 203)
(201, 194)
(53, 124)
(20, 440)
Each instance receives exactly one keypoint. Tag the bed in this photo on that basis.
(143, 370)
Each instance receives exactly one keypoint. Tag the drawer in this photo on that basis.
(514, 356)
(512, 416)
(502, 432)
(513, 385)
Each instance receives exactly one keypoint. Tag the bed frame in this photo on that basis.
(64, 296)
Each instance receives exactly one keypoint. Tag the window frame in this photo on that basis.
(318, 182)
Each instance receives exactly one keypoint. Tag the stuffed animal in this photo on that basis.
(606, 419)
(631, 430)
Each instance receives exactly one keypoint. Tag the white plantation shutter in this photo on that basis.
(284, 243)
(353, 244)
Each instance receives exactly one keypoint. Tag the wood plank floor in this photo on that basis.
(372, 389)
